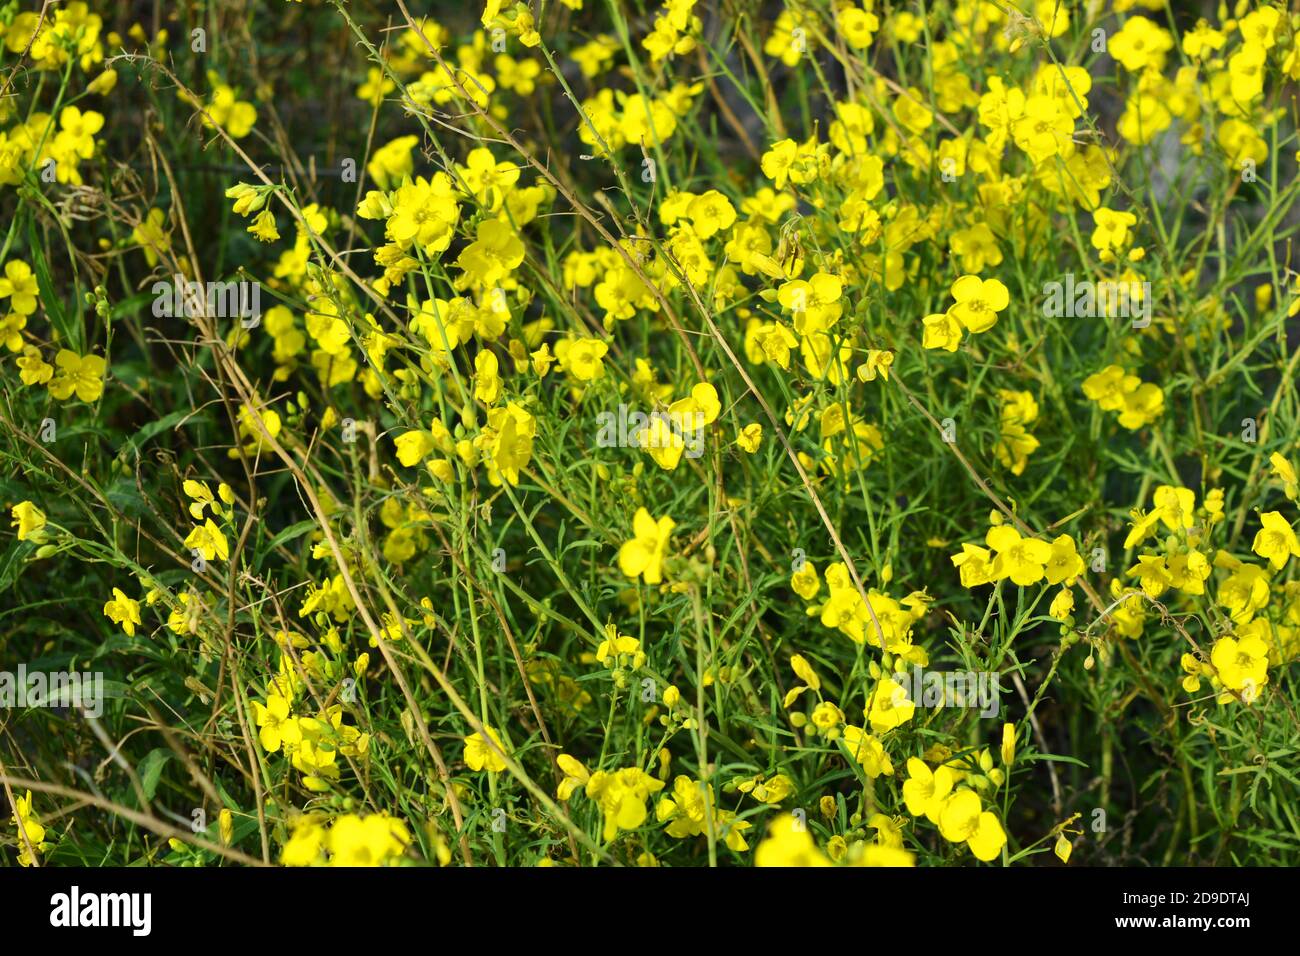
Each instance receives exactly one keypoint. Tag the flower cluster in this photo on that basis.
(946, 345)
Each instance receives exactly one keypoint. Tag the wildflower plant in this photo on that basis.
(957, 524)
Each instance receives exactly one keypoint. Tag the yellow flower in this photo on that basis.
(413, 447)
(487, 377)
(227, 111)
(644, 554)
(482, 755)
(1188, 571)
(857, 26)
(1242, 665)
(1064, 564)
(315, 760)
(788, 161)
(941, 331)
(889, 707)
(872, 854)
(889, 830)
(662, 442)
(1176, 507)
(978, 302)
(122, 610)
(506, 443)
(814, 304)
(248, 199)
(423, 213)
(1109, 386)
(771, 791)
(910, 110)
(1241, 142)
(518, 76)
(867, 751)
(1203, 41)
(1054, 17)
(495, 252)
(1275, 541)
(152, 237)
(203, 498)
(306, 842)
(77, 131)
(1009, 741)
(595, 57)
(83, 374)
(788, 843)
(184, 619)
(616, 646)
(1062, 848)
(517, 20)
(209, 541)
(32, 369)
(924, 791)
(805, 582)
(1044, 129)
(1142, 406)
(826, 717)
(103, 84)
(749, 437)
(276, 727)
(1285, 473)
(1261, 27)
(805, 672)
(582, 358)
(1021, 559)
(20, 287)
(1062, 605)
(263, 227)
(976, 565)
(374, 840)
(1152, 574)
(575, 776)
(963, 820)
(702, 406)
(1111, 229)
(31, 835)
(877, 363)
(769, 341)
(711, 212)
(688, 811)
(30, 521)
(622, 796)
(1140, 44)
(376, 87)
(1245, 590)
(392, 161)
(1015, 444)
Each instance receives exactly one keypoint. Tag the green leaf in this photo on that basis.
(1055, 758)
(131, 304)
(136, 442)
(288, 534)
(151, 768)
(69, 333)
(12, 562)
